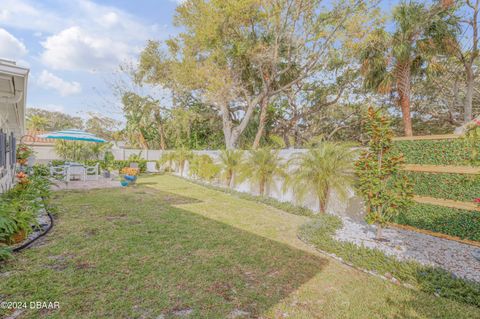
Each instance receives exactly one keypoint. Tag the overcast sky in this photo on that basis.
(73, 47)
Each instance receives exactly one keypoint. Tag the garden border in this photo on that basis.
(17, 249)
(435, 234)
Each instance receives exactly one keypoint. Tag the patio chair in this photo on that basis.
(59, 171)
(92, 170)
(76, 170)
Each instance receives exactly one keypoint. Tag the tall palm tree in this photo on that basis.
(329, 167)
(230, 161)
(391, 60)
(261, 167)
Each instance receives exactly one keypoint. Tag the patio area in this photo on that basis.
(89, 183)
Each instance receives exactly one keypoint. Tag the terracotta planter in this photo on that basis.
(18, 237)
(22, 161)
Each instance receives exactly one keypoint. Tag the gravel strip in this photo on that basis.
(450, 255)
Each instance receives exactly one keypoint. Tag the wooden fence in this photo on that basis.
(440, 169)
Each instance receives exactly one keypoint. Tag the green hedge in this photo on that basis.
(450, 221)
(435, 152)
(461, 187)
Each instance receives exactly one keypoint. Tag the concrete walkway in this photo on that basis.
(88, 184)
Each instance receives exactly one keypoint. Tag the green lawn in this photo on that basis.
(169, 247)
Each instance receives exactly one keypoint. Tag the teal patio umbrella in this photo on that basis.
(74, 135)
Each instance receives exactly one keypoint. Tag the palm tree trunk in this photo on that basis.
(403, 86)
(323, 201)
(378, 235)
(262, 187)
(181, 168)
(321, 206)
(231, 180)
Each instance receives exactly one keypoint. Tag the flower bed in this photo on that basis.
(19, 209)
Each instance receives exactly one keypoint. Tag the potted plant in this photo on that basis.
(130, 174)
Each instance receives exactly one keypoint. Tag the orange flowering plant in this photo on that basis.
(131, 171)
(22, 178)
(23, 153)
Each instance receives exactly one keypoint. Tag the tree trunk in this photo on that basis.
(231, 181)
(403, 87)
(378, 235)
(261, 123)
(181, 168)
(262, 187)
(467, 106)
(160, 130)
(321, 206)
(322, 202)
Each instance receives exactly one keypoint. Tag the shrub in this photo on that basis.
(261, 167)
(320, 170)
(230, 162)
(181, 156)
(23, 153)
(168, 158)
(19, 207)
(454, 222)
(40, 170)
(385, 191)
(203, 167)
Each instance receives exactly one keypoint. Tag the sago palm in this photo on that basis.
(261, 166)
(167, 158)
(329, 167)
(230, 162)
(182, 155)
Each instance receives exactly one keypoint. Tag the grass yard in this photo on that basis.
(168, 248)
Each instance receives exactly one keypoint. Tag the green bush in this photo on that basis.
(454, 222)
(116, 164)
(19, 208)
(40, 170)
(436, 152)
(461, 187)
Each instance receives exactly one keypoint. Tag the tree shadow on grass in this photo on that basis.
(173, 262)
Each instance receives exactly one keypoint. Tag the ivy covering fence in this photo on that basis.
(461, 223)
(455, 152)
